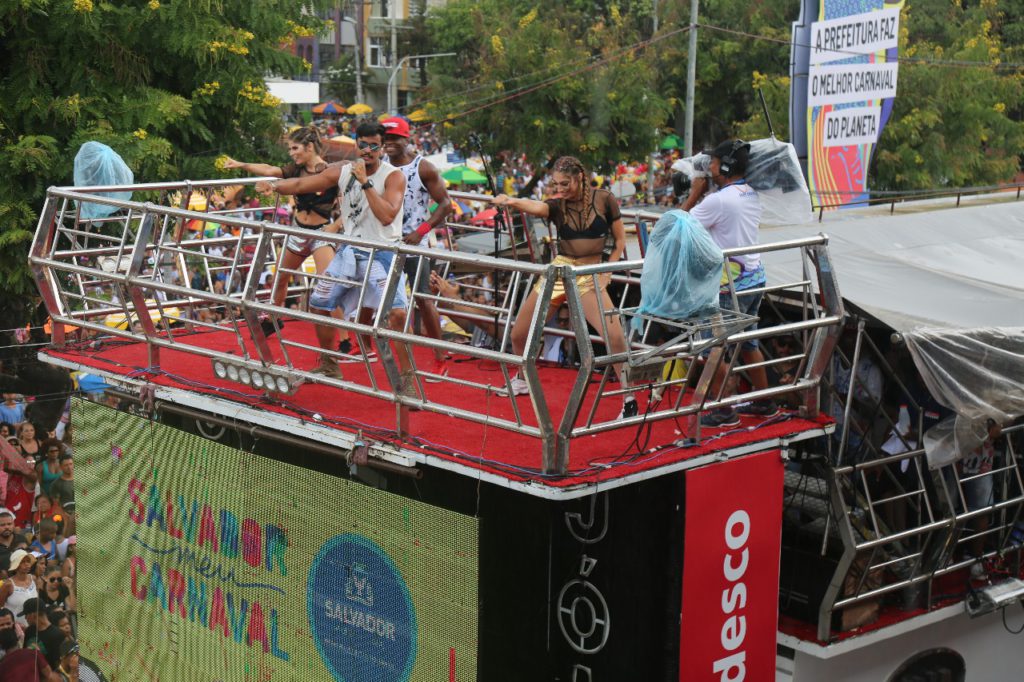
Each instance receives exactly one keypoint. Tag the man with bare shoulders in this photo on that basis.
(423, 187)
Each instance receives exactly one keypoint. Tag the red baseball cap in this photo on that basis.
(396, 126)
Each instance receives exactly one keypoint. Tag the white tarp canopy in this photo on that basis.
(951, 281)
(951, 268)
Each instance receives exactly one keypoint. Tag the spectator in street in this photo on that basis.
(23, 665)
(67, 567)
(63, 489)
(7, 623)
(42, 633)
(49, 469)
(20, 585)
(12, 411)
(21, 489)
(60, 618)
(46, 542)
(27, 441)
(6, 539)
(58, 590)
(69, 661)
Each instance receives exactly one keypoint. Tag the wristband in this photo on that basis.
(423, 228)
(366, 185)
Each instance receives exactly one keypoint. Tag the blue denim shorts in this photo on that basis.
(749, 303)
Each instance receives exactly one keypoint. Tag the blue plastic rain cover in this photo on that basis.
(682, 269)
(97, 164)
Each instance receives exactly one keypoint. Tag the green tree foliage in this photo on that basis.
(740, 46)
(548, 78)
(957, 117)
(169, 85)
(340, 79)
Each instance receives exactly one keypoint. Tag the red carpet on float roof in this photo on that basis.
(602, 457)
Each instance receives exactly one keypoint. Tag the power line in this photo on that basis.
(952, 63)
(515, 94)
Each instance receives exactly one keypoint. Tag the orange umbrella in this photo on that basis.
(329, 107)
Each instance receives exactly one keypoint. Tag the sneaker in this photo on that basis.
(327, 367)
(761, 408)
(978, 571)
(519, 386)
(370, 356)
(720, 417)
(440, 369)
(629, 408)
(270, 326)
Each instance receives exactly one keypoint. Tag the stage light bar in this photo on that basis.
(261, 378)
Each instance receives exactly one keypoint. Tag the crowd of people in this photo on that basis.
(38, 596)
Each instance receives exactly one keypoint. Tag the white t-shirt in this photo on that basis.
(732, 216)
(356, 215)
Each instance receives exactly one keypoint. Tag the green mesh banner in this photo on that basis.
(198, 561)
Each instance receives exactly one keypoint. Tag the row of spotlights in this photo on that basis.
(260, 379)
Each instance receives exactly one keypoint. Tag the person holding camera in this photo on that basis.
(730, 210)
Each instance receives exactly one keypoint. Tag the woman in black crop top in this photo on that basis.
(314, 211)
(583, 217)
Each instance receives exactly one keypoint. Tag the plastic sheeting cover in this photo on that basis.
(682, 269)
(774, 171)
(96, 164)
(978, 374)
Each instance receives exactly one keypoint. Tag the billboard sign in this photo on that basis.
(844, 78)
(201, 561)
(731, 569)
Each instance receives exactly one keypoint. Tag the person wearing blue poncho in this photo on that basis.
(732, 215)
(97, 165)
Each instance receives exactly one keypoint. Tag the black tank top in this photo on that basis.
(321, 203)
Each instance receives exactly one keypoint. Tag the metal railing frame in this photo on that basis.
(151, 231)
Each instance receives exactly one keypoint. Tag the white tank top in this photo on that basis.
(417, 197)
(18, 599)
(356, 216)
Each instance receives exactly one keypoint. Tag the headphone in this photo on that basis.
(726, 162)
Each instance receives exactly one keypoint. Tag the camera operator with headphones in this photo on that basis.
(732, 215)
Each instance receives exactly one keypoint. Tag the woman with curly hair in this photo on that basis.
(583, 218)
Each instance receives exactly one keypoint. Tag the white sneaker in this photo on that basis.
(519, 386)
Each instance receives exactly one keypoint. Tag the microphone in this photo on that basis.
(351, 182)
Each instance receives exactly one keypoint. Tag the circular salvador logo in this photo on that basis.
(360, 612)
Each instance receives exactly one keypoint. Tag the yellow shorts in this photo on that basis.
(584, 283)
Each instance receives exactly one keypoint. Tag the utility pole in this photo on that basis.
(357, 27)
(650, 161)
(393, 86)
(691, 78)
(393, 103)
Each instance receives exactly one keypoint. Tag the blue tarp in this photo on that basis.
(97, 165)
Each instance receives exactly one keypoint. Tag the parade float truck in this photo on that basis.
(243, 518)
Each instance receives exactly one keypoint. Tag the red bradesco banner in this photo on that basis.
(731, 570)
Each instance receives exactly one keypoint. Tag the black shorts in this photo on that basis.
(421, 285)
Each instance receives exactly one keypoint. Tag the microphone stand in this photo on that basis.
(499, 225)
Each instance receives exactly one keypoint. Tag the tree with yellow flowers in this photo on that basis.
(169, 85)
